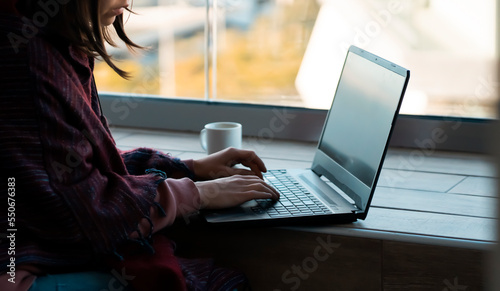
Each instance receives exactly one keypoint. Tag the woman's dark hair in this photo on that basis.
(79, 22)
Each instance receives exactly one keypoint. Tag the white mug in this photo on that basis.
(217, 136)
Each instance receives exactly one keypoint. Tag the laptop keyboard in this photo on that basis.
(295, 200)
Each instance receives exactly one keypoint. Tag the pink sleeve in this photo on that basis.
(23, 281)
(177, 198)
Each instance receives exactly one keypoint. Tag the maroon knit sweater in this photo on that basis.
(77, 197)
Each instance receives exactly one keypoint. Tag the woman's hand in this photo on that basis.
(226, 186)
(234, 190)
(221, 164)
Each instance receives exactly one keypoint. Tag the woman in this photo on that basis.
(78, 204)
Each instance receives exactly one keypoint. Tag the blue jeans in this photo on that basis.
(83, 281)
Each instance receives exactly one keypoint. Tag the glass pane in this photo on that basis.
(173, 64)
(291, 51)
(260, 45)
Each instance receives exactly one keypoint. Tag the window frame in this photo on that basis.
(268, 122)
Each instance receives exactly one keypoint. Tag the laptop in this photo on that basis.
(340, 184)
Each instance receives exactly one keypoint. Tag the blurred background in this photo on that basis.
(290, 52)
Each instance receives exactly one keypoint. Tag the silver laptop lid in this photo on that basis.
(359, 124)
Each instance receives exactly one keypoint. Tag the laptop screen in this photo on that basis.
(356, 133)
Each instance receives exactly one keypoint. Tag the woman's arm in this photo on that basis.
(73, 186)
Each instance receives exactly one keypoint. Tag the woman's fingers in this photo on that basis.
(233, 191)
(246, 172)
(221, 164)
(255, 185)
(252, 161)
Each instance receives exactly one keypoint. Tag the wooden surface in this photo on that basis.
(408, 266)
(286, 259)
(430, 227)
(279, 259)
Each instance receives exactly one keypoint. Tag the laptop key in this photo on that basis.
(295, 198)
(278, 215)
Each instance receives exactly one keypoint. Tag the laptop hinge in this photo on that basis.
(356, 211)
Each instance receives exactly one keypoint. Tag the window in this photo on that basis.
(173, 63)
(290, 52)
